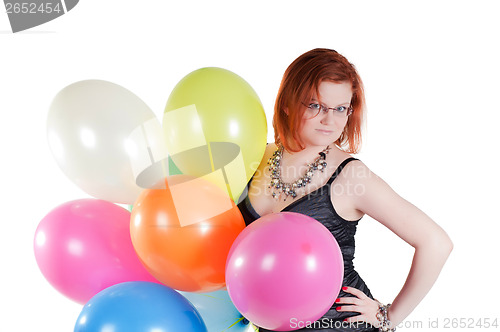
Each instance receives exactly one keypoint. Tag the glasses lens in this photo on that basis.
(342, 111)
(312, 110)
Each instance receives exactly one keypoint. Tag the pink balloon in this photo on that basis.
(284, 267)
(84, 246)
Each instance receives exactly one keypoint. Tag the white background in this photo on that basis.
(431, 75)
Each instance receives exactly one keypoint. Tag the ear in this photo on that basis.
(285, 110)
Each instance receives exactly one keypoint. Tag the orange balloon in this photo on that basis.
(183, 233)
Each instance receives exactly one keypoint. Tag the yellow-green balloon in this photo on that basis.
(215, 126)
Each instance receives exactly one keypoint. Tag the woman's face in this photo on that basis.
(325, 129)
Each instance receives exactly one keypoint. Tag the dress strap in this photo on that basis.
(339, 169)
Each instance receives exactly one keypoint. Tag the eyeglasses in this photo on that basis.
(313, 109)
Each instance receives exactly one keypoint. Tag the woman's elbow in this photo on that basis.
(437, 244)
(442, 245)
(447, 245)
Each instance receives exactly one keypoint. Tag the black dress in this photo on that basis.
(317, 205)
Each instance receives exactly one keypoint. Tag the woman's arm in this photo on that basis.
(432, 244)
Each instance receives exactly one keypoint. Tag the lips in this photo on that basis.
(325, 132)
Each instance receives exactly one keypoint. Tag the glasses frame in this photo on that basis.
(325, 109)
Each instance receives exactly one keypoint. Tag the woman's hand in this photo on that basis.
(361, 303)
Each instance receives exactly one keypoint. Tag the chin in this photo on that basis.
(322, 142)
(313, 137)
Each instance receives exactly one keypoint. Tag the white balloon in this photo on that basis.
(97, 134)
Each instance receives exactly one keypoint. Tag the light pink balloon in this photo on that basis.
(84, 246)
(282, 267)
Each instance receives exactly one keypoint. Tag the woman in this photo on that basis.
(317, 121)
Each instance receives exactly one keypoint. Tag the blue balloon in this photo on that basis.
(139, 306)
(218, 312)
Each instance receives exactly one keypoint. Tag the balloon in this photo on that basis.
(284, 266)
(96, 130)
(183, 232)
(139, 306)
(214, 120)
(218, 312)
(84, 246)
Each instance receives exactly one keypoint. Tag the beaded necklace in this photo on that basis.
(289, 189)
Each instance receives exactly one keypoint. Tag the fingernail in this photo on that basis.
(337, 300)
(344, 288)
(345, 320)
(338, 308)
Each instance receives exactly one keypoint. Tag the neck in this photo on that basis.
(308, 154)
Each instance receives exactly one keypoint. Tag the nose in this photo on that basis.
(327, 118)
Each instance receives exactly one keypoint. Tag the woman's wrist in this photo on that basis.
(392, 318)
(385, 323)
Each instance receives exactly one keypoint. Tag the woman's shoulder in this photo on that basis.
(343, 156)
(270, 147)
(268, 152)
(353, 167)
(356, 172)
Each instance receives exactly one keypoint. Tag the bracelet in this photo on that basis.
(385, 323)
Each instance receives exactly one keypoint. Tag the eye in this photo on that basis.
(341, 109)
(314, 106)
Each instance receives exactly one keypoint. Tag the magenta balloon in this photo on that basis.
(84, 246)
(284, 266)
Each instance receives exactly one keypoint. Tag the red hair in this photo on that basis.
(300, 81)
